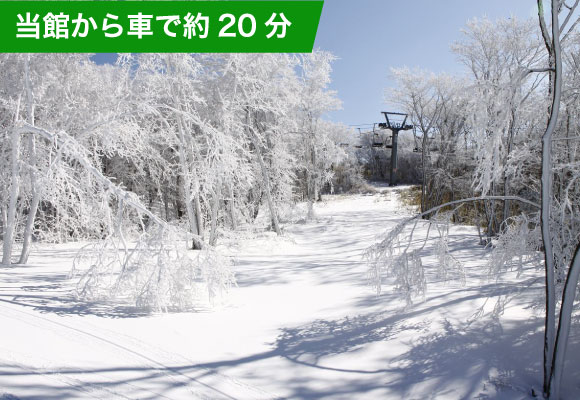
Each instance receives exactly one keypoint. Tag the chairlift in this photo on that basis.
(378, 140)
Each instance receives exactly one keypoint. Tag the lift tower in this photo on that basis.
(394, 126)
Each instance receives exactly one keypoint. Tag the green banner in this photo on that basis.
(158, 26)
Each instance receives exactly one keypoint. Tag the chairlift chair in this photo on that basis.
(378, 140)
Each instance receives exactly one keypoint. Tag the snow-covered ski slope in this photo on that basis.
(302, 324)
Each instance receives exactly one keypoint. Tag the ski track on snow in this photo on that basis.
(138, 350)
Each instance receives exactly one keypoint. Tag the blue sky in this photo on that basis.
(371, 36)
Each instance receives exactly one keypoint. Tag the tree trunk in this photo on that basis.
(214, 214)
(232, 205)
(265, 176)
(28, 230)
(14, 193)
(564, 323)
(193, 215)
(198, 216)
(546, 195)
(36, 189)
(166, 203)
(4, 218)
(312, 178)
(186, 179)
(506, 204)
(424, 174)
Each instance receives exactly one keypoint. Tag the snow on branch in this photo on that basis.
(398, 256)
(156, 272)
(76, 151)
(519, 243)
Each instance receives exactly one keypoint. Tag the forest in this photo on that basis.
(160, 145)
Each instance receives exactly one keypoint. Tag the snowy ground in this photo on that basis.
(302, 324)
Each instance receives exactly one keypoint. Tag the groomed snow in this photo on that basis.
(302, 324)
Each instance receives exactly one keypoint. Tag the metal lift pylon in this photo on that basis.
(394, 127)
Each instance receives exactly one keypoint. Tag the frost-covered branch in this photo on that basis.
(75, 151)
(386, 257)
(158, 273)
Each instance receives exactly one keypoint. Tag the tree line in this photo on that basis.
(202, 140)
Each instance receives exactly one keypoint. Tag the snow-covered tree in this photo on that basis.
(157, 150)
(315, 99)
(501, 108)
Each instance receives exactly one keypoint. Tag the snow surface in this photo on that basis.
(302, 324)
